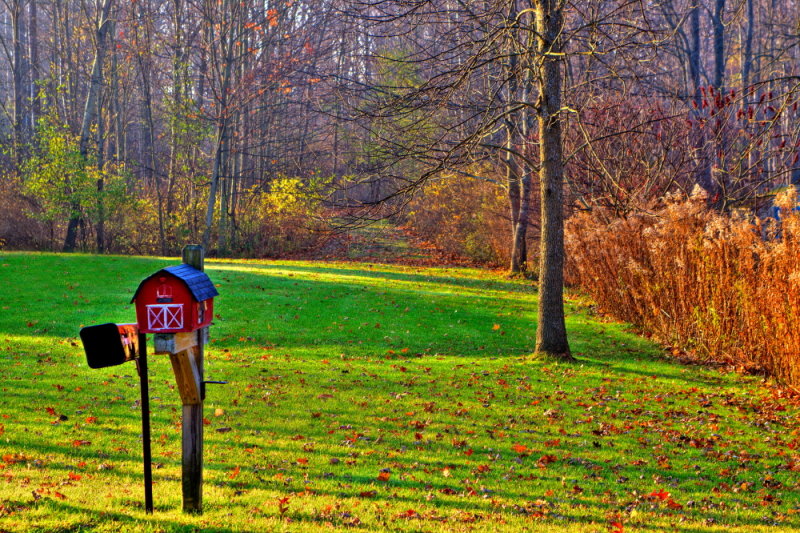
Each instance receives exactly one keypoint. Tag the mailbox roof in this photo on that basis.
(198, 283)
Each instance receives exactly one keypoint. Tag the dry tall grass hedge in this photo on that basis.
(726, 288)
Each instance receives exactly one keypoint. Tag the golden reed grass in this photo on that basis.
(725, 288)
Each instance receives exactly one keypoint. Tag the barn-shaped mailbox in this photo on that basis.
(176, 299)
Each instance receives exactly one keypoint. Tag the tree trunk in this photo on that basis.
(551, 334)
(222, 151)
(100, 227)
(718, 173)
(747, 49)
(89, 116)
(515, 126)
(702, 167)
(149, 145)
(519, 257)
(33, 54)
(17, 74)
(512, 182)
(719, 44)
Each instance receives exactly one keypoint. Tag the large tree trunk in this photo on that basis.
(551, 334)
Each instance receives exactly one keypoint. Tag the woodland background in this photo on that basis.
(267, 129)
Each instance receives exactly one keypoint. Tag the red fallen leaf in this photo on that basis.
(616, 527)
(384, 476)
(546, 460)
(75, 477)
(354, 437)
(59, 496)
(468, 452)
(302, 460)
(520, 448)
(50, 411)
(660, 495)
(448, 491)
(484, 468)
(59, 386)
(206, 422)
(234, 473)
(368, 494)
(552, 443)
(91, 419)
(672, 504)
(576, 489)
(549, 492)
(81, 464)
(411, 513)
(418, 436)
(283, 505)
(77, 443)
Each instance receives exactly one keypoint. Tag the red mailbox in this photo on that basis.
(176, 299)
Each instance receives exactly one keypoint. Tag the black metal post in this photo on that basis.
(141, 367)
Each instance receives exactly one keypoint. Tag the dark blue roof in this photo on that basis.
(198, 282)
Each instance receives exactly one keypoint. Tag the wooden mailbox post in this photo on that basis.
(176, 305)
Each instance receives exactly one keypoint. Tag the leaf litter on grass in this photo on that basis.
(377, 397)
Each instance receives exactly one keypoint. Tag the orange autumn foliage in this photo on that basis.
(725, 288)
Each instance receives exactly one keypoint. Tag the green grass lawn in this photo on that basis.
(368, 397)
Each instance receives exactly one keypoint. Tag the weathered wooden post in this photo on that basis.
(193, 256)
(176, 304)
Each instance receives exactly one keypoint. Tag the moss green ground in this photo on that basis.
(369, 397)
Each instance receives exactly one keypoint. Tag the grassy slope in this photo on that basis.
(339, 372)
